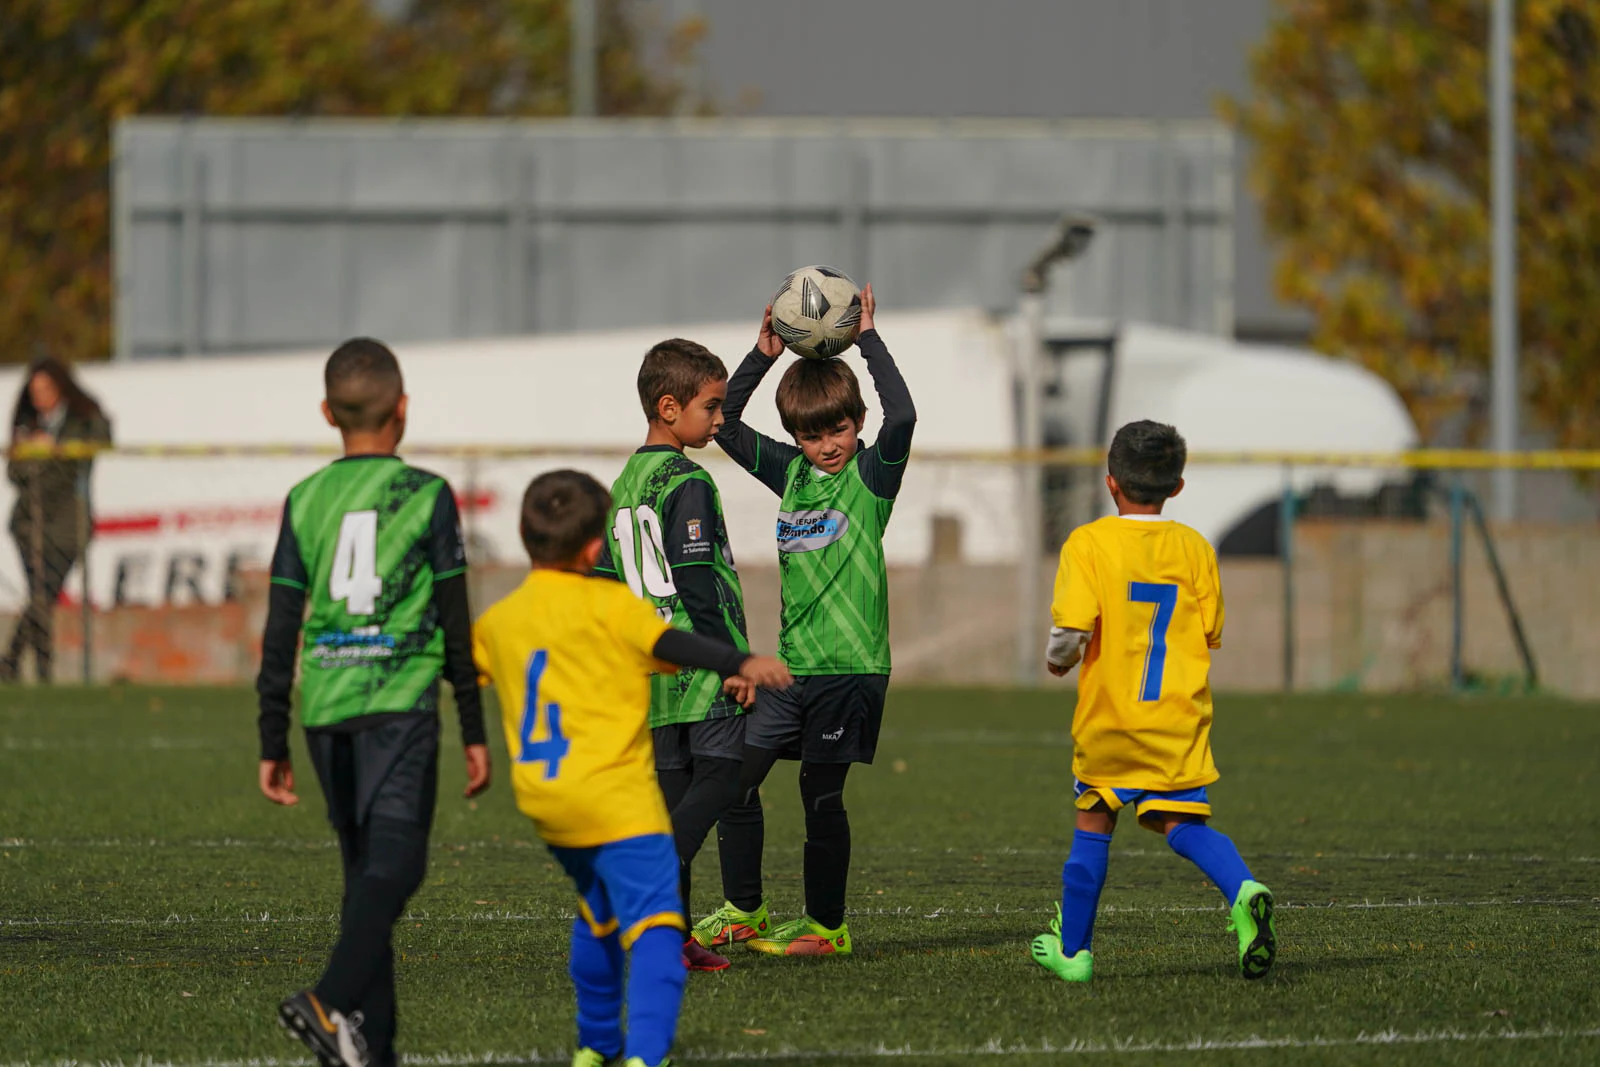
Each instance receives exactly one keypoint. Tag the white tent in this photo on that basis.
(1229, 397)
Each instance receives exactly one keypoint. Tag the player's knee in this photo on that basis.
(721, 783)
(591, 965)
(1176, 826)
(657, 954)
(822, 787)
(397, 857)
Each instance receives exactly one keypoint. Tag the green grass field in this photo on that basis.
(1436, 860)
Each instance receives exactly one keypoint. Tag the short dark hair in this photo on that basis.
(679, 369)
(1146, 459)
(815, 395)
(364, 385)
(561, 512)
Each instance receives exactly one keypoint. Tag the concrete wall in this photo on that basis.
(1372, 614)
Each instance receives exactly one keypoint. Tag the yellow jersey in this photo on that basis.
(571, 658)
(1149, 594)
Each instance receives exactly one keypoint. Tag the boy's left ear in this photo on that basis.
(327, 413)
(1176, 491)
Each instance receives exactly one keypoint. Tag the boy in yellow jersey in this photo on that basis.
(1138, 598)
(571, 657)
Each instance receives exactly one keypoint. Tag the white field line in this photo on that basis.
(68, 843)
(995, 1047)
(906, 912)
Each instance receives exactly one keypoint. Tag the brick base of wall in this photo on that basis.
(1372, 612)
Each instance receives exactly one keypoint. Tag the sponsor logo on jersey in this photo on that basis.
(836, 735)
(807, 531)
(352, 648)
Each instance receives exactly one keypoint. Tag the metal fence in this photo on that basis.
(1351, 571)
(251, 235)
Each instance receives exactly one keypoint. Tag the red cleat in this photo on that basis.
(702, 959)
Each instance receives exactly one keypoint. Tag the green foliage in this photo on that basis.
(71, 68)
(1433, 858)
(1371, 123)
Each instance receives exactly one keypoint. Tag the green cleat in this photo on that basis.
(1047, 953)
(638, 1061)
(804, 937)
(729, 925)
(1251, 918)
(588, 1057)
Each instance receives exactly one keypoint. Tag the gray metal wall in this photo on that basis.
(262, 234)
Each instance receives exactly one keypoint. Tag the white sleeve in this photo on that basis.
(1065, 646)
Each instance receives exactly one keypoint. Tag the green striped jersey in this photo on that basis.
(667, 540)
(830, 563)
(366, 537)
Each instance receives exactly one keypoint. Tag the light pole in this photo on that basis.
(1071, 240)
(1504, 394)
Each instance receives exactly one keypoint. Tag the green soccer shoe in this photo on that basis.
(1047, 953)
(638, 1061)
(1251, 918)
(729, 925)
(804, 937)
(588, 1057)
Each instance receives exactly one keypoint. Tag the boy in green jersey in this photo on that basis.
(375, 547)
(666, 538)
(837, 496)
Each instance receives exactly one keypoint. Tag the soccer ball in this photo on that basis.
(817, 312)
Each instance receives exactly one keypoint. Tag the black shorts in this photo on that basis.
(678, 746)
(387, 770)
(822, 718)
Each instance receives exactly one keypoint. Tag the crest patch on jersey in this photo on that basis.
(694, 529)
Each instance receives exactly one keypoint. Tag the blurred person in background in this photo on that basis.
(50, 522)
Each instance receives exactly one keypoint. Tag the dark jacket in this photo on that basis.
(53, 486)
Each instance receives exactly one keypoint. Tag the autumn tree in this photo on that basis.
(70, 68)
(1371, 125)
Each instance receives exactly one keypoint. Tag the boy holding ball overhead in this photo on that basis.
(837, 496)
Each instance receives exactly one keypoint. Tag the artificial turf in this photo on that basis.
(1436, 862)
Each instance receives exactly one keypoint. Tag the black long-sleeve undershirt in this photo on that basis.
(286, 605)
(685, 649)
(455, 619)
(692, 526)
(882, 464)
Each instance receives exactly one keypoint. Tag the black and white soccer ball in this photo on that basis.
(817, 312)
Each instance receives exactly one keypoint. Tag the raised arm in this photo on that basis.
(883, 466)
(762, 456)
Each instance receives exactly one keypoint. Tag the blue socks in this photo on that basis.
(655, 991)
(1081, 881)
(1213, 853)
(596, 968)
